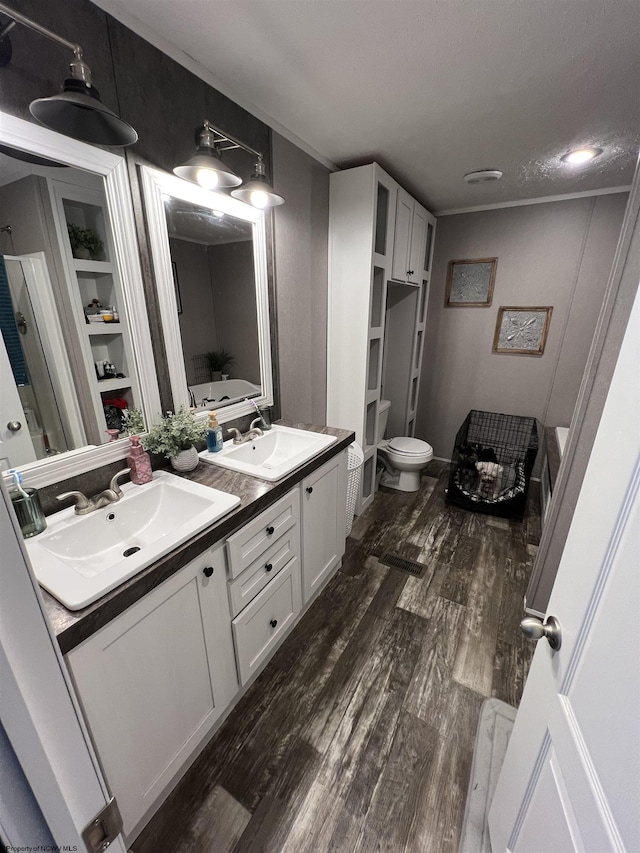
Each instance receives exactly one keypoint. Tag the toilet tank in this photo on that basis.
(383, 414)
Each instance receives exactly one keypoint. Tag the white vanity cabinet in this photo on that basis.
(409, 239)
(153, 682)
(324, 495)
(156, 681)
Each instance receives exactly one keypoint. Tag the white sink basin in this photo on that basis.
(272, 455)
(79, 558)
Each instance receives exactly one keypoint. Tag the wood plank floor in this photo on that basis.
(358, 736)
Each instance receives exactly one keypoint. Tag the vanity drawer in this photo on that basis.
(246, 586)
(258, 629)
(249, 543)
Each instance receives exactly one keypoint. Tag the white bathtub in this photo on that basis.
(226, 392)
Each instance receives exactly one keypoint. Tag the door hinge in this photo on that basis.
(102, 830)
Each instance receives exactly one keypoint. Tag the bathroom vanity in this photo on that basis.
(160, 662)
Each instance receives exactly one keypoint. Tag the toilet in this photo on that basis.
(403, 458)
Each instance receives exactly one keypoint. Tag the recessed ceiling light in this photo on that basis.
(483, 176)
(580, 156)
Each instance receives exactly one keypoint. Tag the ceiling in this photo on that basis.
(431, 89)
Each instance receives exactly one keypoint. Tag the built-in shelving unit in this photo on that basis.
(379, 238)
(96, 279)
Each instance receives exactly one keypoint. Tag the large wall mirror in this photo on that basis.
(210, 264)
(75, 350)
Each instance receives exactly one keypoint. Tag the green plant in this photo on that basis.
(133, 422)
(84, 238)
(219, 360)
(175, 432)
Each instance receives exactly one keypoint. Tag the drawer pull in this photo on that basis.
(207, 571)
(273, 623)
(270, 530)
(268, 567)
(309, 489)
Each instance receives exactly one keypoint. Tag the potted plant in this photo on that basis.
(219, 362)
(174, 436)
(133, 422)
(85, 243)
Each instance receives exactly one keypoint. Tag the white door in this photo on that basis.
(16, 447)
(571, 776)
(40, 715)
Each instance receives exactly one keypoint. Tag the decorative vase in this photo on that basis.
(186, 460)
(82, 253)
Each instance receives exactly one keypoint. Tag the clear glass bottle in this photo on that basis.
(27, 507)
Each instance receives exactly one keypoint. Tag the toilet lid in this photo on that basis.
(409, 446)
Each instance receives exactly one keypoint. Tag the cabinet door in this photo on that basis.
(323, 523)
(262, 625)
(418, 242)
(154, 681)
(402, 236)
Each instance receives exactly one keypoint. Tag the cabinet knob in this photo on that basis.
(309, 489)
(207, 571)
(273, 623)
(270, 530)
(268, 567)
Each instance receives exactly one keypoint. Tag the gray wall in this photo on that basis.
(198, 320)
(301, 244)
(233, 277)
(556, 254)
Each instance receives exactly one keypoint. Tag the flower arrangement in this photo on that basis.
(174, 433)
(84, 242)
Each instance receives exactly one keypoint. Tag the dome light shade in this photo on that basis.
(206, 167)
(258, 191)
(78, 112)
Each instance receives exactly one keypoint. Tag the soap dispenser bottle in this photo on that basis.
(139, 462)
(214, 434)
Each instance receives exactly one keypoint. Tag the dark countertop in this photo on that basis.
(72, 627)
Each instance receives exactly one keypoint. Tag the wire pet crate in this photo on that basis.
(491, 463)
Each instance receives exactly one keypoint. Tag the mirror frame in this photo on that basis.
(26, 136)
(155, 185)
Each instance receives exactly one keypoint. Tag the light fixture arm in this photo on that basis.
(78, 67)
(225, 137)
(22, 19)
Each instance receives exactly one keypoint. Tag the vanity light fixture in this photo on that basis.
(207, 169)
(258, 191)
(580, 156)
(77, 111)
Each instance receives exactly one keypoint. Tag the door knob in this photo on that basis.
(207, 571)
(533, 629)
(14, 426)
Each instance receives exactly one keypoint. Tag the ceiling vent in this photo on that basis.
(483, 176)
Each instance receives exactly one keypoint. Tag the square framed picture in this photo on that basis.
(470, 283)
(174, 270)
(521, 331)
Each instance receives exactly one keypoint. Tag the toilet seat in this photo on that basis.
(407, 446)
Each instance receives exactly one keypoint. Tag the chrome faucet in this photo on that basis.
(83, 504)
(253, 432)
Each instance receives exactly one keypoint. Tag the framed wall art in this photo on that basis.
(470, 283)
(521, 331)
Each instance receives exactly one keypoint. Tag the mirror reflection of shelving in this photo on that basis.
(96, 293)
